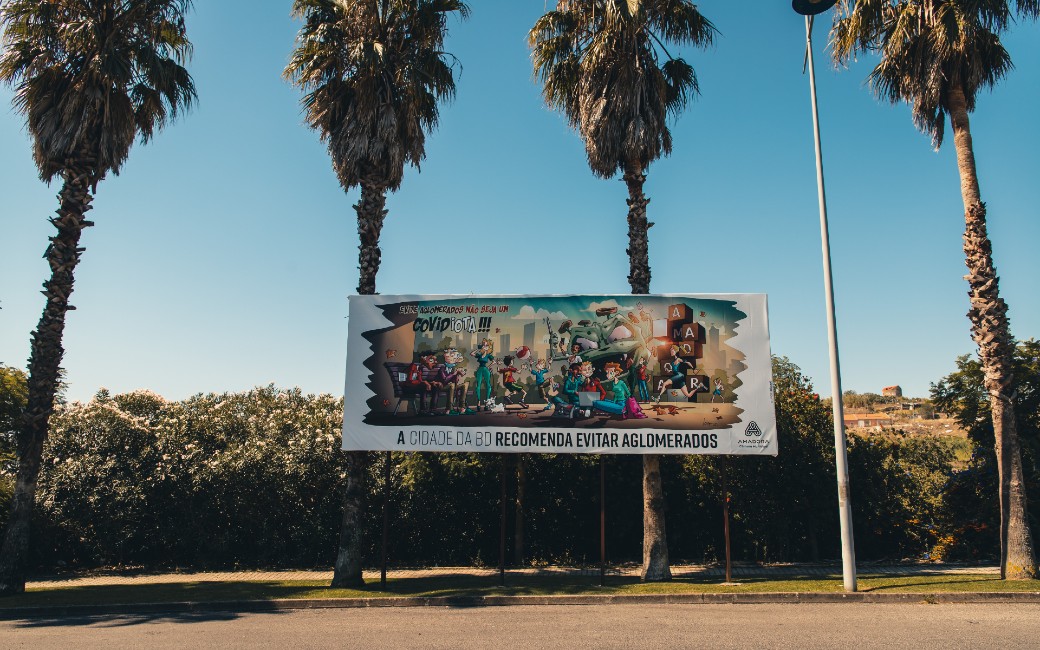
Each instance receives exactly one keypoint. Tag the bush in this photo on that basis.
(898, 484)
(256, 479)
(971, 519)
(13, 397)
(217, 480)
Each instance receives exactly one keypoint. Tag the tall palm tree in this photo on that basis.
(606, 65)
(936, 55)
(373, 72)
(90, 76)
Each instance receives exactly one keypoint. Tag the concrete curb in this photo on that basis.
(12, 613)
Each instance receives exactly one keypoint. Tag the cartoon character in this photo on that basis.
(678, 378)
(425, 388)
(572, 384)
(494, 407)
(590, 383)
(539, 371)
(452, 377)
(642, 375)
(484, 355)
(622, 402)
(509, 383)
(552, 395)
(575, 354)
(718, 390)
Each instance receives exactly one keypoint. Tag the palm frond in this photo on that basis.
(92, 77)
(373, 75)
(606, 65)
(928, 47)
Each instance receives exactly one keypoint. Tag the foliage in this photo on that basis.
(600, 63)
(784, 508)
(928, 47)
(898, 484)
(92, 76)
(972, 519)
(253, 479)
(13, 396)
(373, 73)
(216, 480)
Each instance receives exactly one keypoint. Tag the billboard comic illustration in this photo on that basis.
(624, 374)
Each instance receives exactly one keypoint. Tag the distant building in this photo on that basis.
(891, 391)
(529, 335)
(875, 421)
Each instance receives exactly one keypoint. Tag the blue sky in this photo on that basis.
(225, 251)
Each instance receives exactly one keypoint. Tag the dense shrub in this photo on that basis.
(255, 479)
(897, 484)
(783, 508)
(248, 478)
(13, 397)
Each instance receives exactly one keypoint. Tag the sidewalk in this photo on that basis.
(740, 570)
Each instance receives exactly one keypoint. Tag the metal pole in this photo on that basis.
(502, 531)
(386, 519)
(602, 522)
(725, 517)
(848, 550)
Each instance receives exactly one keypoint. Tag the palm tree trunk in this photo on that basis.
(655, 544)
(347, 571)
(988, 315)
(638, 226)
(371, 212)
(44, 369)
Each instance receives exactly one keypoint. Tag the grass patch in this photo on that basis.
(470, 586)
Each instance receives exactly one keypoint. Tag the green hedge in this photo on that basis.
(255, 479)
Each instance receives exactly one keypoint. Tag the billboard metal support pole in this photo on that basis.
(725, 517)
(602, 522)
(848, 551)
(502, 527)
(386, 519)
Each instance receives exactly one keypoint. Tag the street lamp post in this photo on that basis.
(810, 8)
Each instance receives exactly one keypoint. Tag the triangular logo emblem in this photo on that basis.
(753, 430)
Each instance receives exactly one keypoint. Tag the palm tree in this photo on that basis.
(373, 72)
(90, 76)
(606, 65)
(936, 55)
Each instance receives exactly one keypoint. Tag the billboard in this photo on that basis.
(620, 374)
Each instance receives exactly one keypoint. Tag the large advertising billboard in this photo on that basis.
(616, 374)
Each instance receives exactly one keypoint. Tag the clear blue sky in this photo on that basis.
(224, 253)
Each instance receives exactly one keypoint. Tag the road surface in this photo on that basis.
(553, 627)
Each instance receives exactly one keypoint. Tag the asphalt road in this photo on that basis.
(532, 627)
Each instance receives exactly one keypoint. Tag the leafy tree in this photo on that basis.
(937, 55)
(852, 399)
(899, 484)
(962, 393)
(783, 507)
(90, 77)
(606, 66)
(13, 396)
(373, 72)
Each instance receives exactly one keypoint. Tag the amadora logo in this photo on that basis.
(753, 430)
